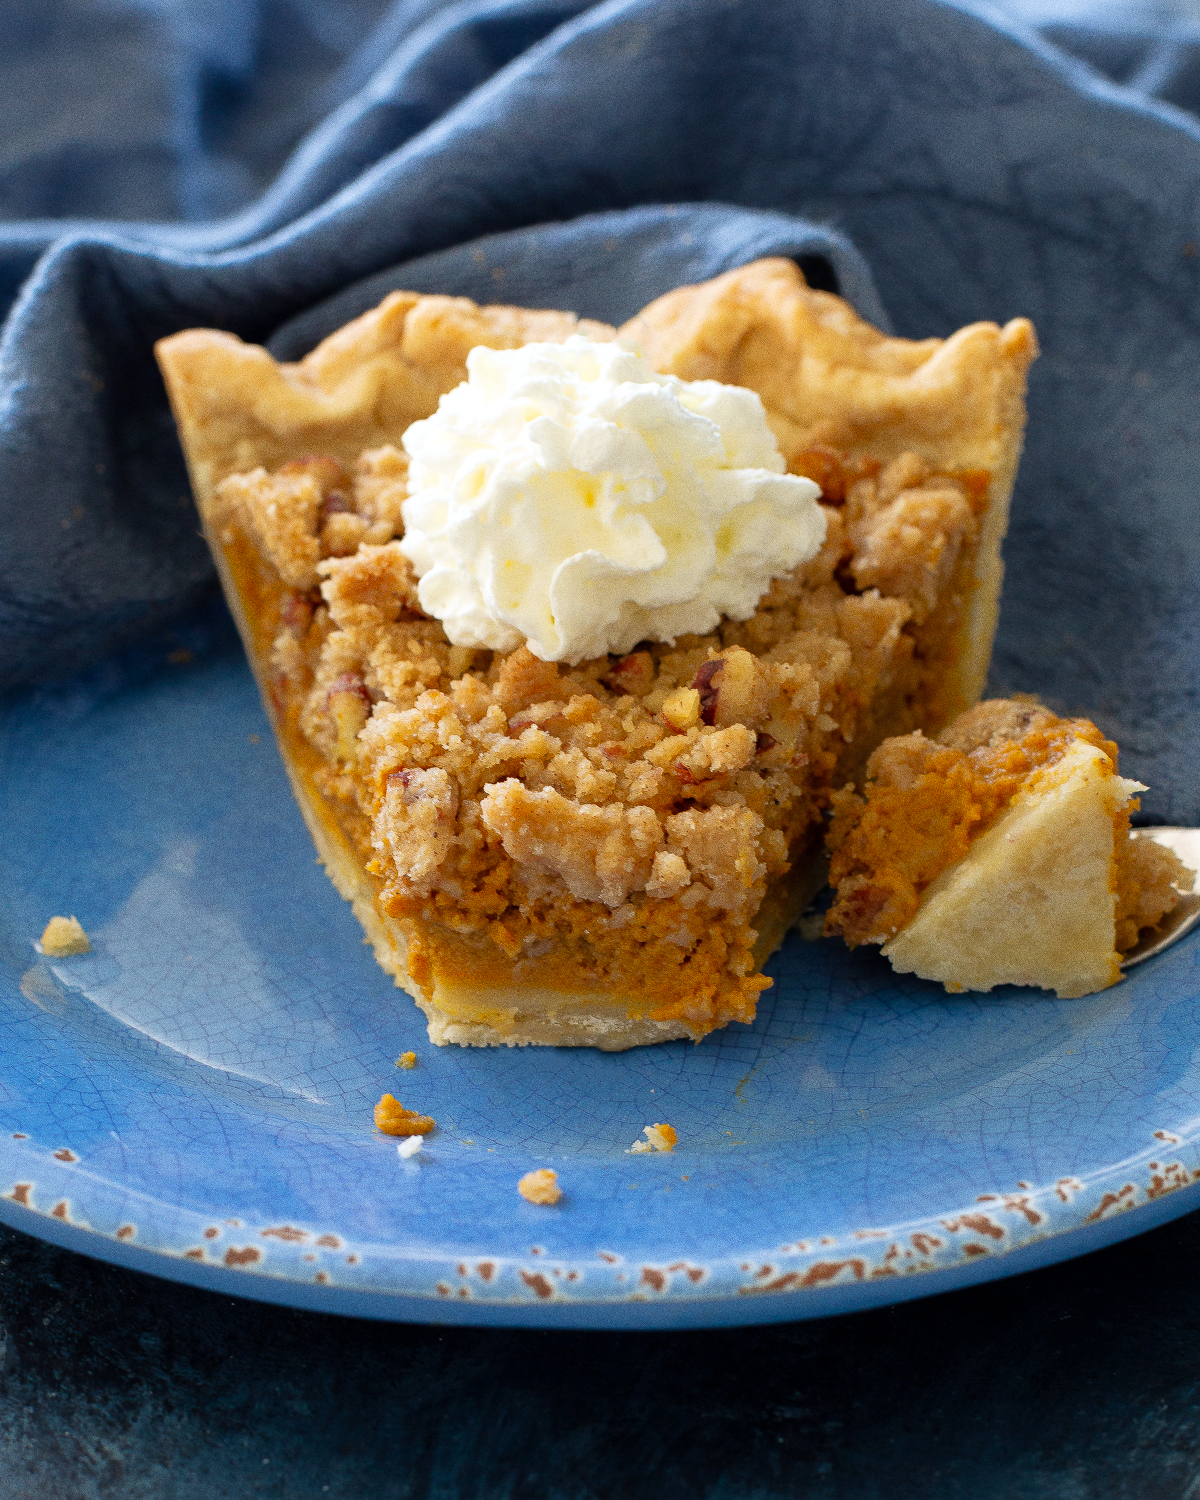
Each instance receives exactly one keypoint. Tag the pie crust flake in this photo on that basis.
(601, 854)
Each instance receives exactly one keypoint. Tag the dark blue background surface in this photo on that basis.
(251, 161)
(979, 171)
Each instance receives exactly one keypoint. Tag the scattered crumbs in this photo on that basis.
(255, 738)
(540, 1186)
(63, 937)
(180, 658)
(685, 1178)
(658, 1138)
(392, 1118)
(407, 1060)
(410, 1146)
(467, 1141)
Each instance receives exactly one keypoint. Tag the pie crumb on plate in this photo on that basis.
(540, 1186)
(64, 937)
(392, 1118)
(658, 1138)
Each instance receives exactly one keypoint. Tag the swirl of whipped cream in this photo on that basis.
(568, 496)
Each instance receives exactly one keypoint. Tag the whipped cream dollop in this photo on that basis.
(568, 496)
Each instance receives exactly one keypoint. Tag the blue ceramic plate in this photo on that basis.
(194, 1096)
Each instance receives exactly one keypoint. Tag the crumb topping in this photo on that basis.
(644, 799)
(906, 529)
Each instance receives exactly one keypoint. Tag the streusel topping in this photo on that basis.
(645, 797)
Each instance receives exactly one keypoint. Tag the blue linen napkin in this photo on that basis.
(273, 171)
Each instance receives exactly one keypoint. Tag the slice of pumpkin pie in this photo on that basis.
(999, 853)
(568, 634)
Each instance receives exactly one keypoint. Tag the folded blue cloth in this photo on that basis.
(544, 151)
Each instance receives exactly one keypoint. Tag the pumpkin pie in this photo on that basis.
(601, 852)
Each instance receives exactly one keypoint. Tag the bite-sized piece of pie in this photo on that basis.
(603, 849)
(999, 853)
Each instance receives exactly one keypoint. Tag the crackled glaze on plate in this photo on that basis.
(194, 1096)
